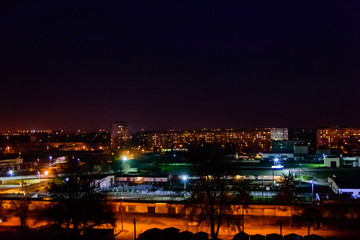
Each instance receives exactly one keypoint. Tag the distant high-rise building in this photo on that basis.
(251, 141)
(346, 139)
(279, 134)
(120, 135)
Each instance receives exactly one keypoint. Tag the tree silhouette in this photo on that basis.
(77, 205)
(21, 210)
(287, 194)
(241, 198)
(213, 194)
(312, 214)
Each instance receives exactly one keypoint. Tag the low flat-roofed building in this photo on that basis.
(143, 178)
(13, 163)
(104, 182)
(280, 156)
(345, 186)
(331, 161)
(349, 161)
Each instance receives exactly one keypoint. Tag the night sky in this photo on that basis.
(179, 64)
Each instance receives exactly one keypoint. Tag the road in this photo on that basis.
(257, 225)
(252, 226)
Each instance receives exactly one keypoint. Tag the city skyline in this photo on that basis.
(108, 128)
(199, 119)
(199, 64)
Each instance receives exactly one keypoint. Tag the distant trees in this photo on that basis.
(77, 206)
(287, 194)
(3, 211)
(287, 191)
(312, 214)
(241, 199)
(341, 210)
(21, 210)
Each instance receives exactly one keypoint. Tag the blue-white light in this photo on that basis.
(277, 167)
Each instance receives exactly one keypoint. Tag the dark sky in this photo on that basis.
(179, 64)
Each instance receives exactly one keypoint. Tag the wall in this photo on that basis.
(168, 208)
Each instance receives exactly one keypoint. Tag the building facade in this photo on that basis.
(254, 140)
(346, 139)
(120, 135)
(279, 134)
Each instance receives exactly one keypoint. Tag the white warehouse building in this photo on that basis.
(345, 186)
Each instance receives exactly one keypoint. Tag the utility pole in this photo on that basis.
(134, 229)
(262, 189)
(312, 190)
(300, 174)
(121, 211)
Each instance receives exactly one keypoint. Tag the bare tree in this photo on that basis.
(77, 205)
(241, 199)
(287, 195)
(212, 197)
(21, 210)
(312, 214)
(210, 202)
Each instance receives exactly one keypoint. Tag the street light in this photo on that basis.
(184, 178)
(275, 161)
(277, 164)
(11, 172)
(312, 190)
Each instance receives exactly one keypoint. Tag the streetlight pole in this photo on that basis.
(184, 178)
(262, 188)
(312, 190)
(300, 174)
(134, 229)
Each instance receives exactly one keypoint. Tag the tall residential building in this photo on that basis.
(279, 134)
(120, 135)
(347, 139)
(253, 140)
